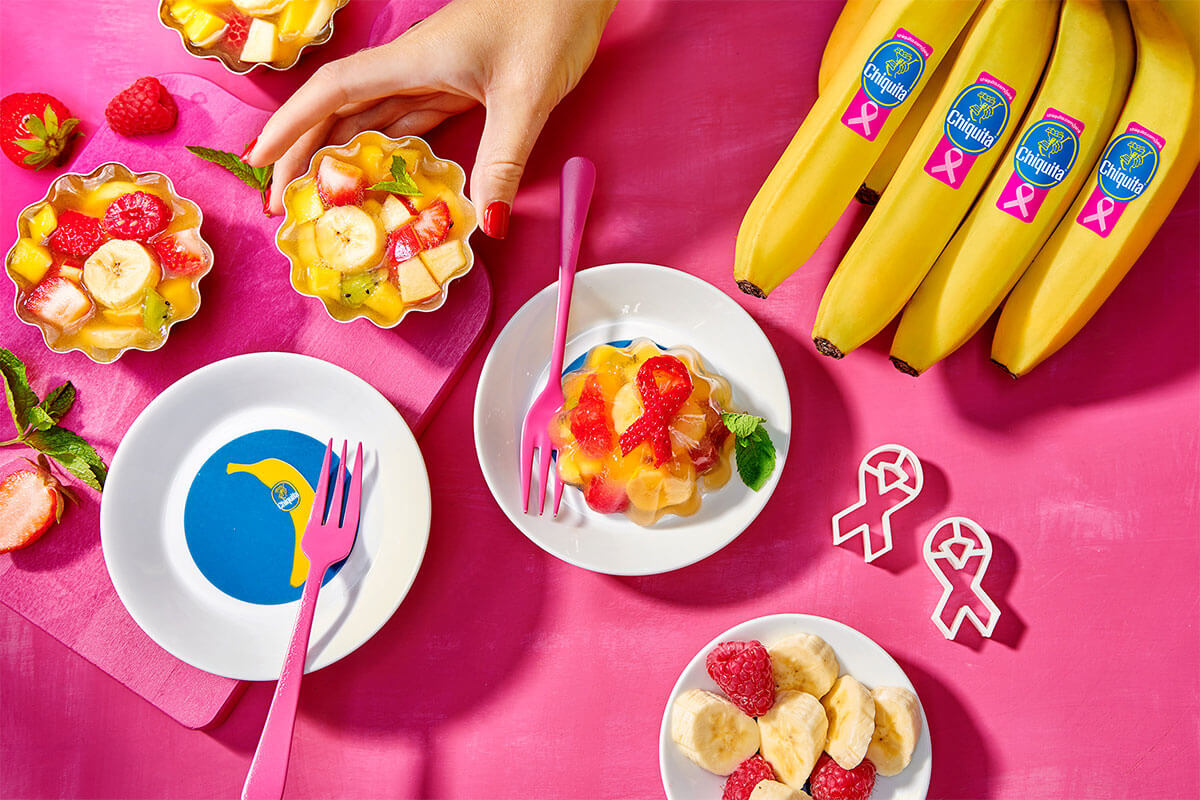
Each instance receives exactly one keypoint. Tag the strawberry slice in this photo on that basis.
(340, 184)
(181, 253)
(433, 224)
(590, 421)
(402, 245)
(60, 302)
(31, 500)
(605, 496)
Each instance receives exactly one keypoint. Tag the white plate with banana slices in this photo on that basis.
(807, 652)
(617, 303)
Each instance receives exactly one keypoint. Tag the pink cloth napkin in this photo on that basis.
(60, 583)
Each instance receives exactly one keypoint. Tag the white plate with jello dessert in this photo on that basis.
(613, 305)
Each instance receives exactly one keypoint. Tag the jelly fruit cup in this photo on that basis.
(372, 253)
(108, 261)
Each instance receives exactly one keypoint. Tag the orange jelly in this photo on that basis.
(640, 431)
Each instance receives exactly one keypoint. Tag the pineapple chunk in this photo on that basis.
(71, 273)
(318, 14)
(394, 214)
(105, 336)
(203, 28)
(324, 280)
(416, 284)
(386, 300)
(43, 223)
(305, 203)
(372, 207)
(306, 243)
(260, 42)
(182, 10)
(412, 159)
(129, 317)
(30, 261)
(444, 260)
(96, 203)
(378, 163)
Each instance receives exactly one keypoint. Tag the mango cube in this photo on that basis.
(378, 164)
(444, 260)
(30, 261)
(96, 203)
(318, 18)
(416, 284)
(372, 207)
(202, 28)
(306, 243)
(305, 203)
(324, 280)
(387, 300)
(181, 295)
(43, 223)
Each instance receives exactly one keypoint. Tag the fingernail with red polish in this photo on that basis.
(495, 220)
(249, 147)
(267, 203)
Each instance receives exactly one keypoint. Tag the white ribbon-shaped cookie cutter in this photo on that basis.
(889, 476)
(975, 543)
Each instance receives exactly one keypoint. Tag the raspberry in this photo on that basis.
(749, 774)
(237, 30)
(830, 782)
(136, 215)
(743, 671)
(77, 234)
(590, 422)
(145, 107)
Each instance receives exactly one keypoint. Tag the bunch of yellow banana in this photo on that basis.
(1037, 179)
(868, 96)
(991, 83)
(1154, 150)
(850, 22)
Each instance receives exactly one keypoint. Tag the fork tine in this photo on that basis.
(544, 452)
(526, 469)
(558, 489)
(339, 486)
(322, 492)
(355, 498)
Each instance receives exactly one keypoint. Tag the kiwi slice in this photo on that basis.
(155, 311)
(357, 288)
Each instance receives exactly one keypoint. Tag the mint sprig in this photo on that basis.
(36, 423)
(401, 182)
(753, 449)
(255, 177)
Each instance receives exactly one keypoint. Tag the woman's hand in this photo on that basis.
(518, 58)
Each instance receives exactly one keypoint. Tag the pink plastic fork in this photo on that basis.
(578, 181)
(325, 542)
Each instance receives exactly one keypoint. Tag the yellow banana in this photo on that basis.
(1104, 232)
(841, 137)
(1037, 179)
(897, 147)
(972, 121)
(849, 24)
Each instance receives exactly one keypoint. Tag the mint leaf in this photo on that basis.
(39, 420)
(401, 182)
(753, 449)
(59, 401)
(73, 452)
(257, 177)
(16, 389)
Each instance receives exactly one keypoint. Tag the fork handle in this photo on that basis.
(578, 181)
(268, 770)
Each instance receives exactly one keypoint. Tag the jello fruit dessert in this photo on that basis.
(378, 227)
(108, 261)
(641, 431)
(246, 33)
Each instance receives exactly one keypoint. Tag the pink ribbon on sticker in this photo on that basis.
(1023, 195)
(1105, 207)
(868, 112)
(952, 159)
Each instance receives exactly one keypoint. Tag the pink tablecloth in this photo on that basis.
(508, 674)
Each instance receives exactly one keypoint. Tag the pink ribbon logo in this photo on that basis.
(952, 159)
(1105, 207)
(868, 111)
(1024, 194)
(958, 552)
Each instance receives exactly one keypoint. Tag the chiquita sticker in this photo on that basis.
(1044, 156)
(1128, 166)
(974, 123)
(888, 79)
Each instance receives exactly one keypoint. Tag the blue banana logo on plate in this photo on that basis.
(246, 511)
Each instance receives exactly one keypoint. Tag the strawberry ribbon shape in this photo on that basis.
(664, 384)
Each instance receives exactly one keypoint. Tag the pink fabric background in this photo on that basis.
(508, 674)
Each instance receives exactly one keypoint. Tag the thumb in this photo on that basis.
(509, 131)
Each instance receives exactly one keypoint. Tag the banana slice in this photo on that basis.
(793, 735)
(119, 272)
(851, 712)
(348, 239)
(627, 407)
(259, 8)
(805, 663)
(774, 790)
(897, 729)
(712, 732)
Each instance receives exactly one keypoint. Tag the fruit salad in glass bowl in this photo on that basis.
(108, 262)
(377, 228)
(643, 430)
(242, 34)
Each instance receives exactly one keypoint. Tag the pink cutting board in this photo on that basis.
(60, 583)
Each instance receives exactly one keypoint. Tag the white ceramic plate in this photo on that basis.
(611, 303)
(152, 565)
(858, 655)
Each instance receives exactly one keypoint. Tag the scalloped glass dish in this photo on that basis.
(374, 254)
(131, 304)
(244, 34)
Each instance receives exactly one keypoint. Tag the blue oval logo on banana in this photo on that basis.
(246, 512)
(977, 118)
(1046, 153)
(891, 72)
(1128, 166)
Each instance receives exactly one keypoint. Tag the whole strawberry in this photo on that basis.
(828, 781)
(743, 671)
(749, 774)
(145, 107)
(35, 130)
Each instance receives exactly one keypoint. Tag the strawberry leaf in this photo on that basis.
(401, 182)
(32, 145)
(51, 121)
(35, 126)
